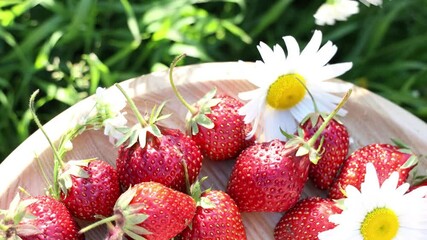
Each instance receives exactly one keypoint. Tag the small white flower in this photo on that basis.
(109, 104)
(335, 10)
(68, 146)
(113, 126)
(380, 212)
(280, 99)
(110, 99)
(373, 2)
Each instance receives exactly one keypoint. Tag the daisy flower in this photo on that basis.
(335, 10)
(373, 2)
(380, 212)
(280, 99)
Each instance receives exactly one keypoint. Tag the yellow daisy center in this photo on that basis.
(380, 224)
(286, 92)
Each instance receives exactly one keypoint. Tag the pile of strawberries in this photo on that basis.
(153, 192)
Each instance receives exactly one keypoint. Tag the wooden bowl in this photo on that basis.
(371, 118)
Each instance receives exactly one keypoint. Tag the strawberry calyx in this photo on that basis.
(12, 220)
(404, 148)
(73, 168)
(195, 190)
(139, 132)
(204, 107)
(197, 113)
(306, 147)
(126, 216)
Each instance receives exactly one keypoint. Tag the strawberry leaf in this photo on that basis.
(133, 235)
(207, 97)
(199, 117)
(124, 200)
(194, 128)
(139, 230)
(412, 161)
(203, 120)
(286, 134)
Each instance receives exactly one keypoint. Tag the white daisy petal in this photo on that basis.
(281, 119)
(249, 94)
(279, 55)
(333, 70)
(326, 53)
(313, 45)
(336, 87)
(292, 48)
(266, 53)
(301, 110)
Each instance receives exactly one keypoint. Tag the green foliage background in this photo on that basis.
(68, 48)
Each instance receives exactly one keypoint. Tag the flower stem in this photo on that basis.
(316, 109)
(57, 157)
(99, 223)
(325, 123)
(135, 110)
(190, 108)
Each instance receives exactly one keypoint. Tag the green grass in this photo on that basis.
(69, 48)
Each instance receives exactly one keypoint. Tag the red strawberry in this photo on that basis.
(269, 177)
(334, 150)
(154, 153)
(386, 159)
(160, 160)
(150, 210)
(218, 219)
(226, 139)
(39, 217)
(94, 188)
(215, 124)
(306, 219)
(87, 187)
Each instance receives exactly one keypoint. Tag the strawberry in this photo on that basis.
(214, 123)
(386, 158)
(306, 219)
(40, 217)
(154, 153)
(93, 188)
(270, 176)
(87, 187)
(334, 142)
(149, 210)
(160, 160)
(217, 217)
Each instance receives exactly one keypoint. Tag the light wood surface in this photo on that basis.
(371, 118)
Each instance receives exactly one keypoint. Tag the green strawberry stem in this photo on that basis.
(135, 110)
(190, 108)
(57, 157)
(325, 123)
(99, 223)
